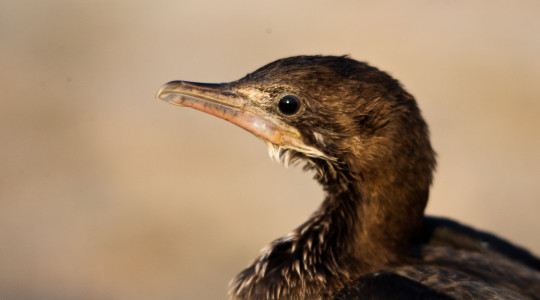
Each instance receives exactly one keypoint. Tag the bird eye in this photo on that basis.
(289, 105)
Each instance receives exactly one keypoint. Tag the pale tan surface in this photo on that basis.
(106, 193)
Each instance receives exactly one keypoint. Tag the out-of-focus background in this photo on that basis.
(106, 193)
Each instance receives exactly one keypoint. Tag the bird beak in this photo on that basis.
(221, 101)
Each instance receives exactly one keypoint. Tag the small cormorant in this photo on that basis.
(364, 136)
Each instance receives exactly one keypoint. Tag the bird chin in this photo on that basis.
(283, 155)
(293, 155)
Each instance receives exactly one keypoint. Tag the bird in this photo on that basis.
(364, 138)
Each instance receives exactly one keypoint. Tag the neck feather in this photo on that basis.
(356, 230)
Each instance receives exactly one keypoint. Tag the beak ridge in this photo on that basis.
(180, 92)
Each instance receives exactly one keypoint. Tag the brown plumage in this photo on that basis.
(364, 136)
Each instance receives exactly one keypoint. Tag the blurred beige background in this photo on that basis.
(106, 193)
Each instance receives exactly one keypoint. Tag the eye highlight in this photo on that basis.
(289, 105)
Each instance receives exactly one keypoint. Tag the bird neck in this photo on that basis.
(373, 214)
(358, 228)
(372, 219)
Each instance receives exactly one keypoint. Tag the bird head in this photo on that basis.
(340, 116)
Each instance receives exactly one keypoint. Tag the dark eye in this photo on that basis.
(289, 105)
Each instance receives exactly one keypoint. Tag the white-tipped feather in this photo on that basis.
(291, 154)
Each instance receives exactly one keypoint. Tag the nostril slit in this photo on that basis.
(228, 93)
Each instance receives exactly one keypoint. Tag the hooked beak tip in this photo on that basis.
(166, 92)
